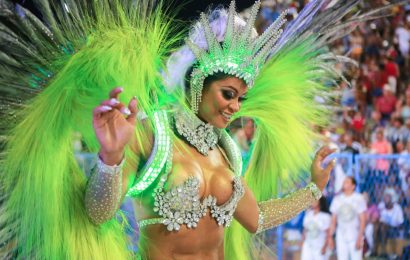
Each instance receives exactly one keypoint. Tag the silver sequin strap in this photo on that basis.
(151, 221)
(159, 157)
(104, 191)
(277, 211)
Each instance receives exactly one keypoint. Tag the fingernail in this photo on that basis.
(106, 108)
(114, 101)
(126, 111)
(334, 161)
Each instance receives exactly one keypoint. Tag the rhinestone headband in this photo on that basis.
(239, 54)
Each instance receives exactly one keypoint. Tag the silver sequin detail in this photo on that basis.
(275, 212)
(104, 192)
(181, 205)
(200, 135)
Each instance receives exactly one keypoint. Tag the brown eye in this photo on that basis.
(228, 95)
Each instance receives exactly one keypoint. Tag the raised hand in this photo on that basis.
(114, 125)
(320, 176)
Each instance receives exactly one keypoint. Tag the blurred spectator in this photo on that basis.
(407, 207)
(316, 230)
(396, 132)
(348, 96)
(407, 191)
(349, 146)
(404, 109)
(402, 36)
(372, 218)
(348, 220)
(373, 124)
(381, 146)
(404, 167)
(244, 135)
(356, 44)
(391, 70)
(391, 218)
(356, 123)
(399, 147)
(406, 131)
(386, 104)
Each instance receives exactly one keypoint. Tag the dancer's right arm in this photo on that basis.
(114, 125)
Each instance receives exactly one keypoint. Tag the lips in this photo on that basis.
(226, 116)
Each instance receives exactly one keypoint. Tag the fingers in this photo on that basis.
(115, 103)
(330, 167)
(115, 92)
(320, 160)
(132, 107)
(98, 111)
(324, 152)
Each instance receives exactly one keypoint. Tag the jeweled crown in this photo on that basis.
(239, 55)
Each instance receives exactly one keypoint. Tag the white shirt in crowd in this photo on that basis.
(315, 229)
(315, 226)
(403, 38)
(392, 217)
(347, 210)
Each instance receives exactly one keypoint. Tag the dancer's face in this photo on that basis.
(220, 100)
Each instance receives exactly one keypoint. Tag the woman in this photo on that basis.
(316, 226)
(213, 177)
(176, 161)
(381, 146)
(195, 174)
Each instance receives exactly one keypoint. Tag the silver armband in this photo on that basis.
(104, 168)
(317, 194)
(104, 191)
(274, 212)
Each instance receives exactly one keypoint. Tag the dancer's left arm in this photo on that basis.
(259, 216)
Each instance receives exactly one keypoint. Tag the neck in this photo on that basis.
(348, 192)
(195, 131)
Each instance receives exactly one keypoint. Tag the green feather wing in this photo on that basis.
(52, 75)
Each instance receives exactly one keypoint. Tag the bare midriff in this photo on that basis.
(203, 242)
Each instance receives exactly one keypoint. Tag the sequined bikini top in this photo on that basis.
(181, 205)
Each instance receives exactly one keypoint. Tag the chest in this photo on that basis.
(212, 172)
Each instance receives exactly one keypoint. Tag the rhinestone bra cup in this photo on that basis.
(181, 205)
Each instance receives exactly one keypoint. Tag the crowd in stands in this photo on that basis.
(371, 116)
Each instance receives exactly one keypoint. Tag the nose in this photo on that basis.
(235, 105)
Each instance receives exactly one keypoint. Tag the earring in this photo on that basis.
(196, 97)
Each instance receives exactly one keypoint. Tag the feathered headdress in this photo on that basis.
(241, 54)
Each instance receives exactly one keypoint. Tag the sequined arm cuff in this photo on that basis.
(277, 211)
(104, 191)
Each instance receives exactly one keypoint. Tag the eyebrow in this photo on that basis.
(236, 91)
(231, 87)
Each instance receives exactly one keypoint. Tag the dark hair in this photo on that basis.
(399, 119)
(323, 205)
(208, 80)
(352, 179)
